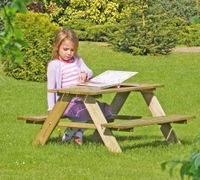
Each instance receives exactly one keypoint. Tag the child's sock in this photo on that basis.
(78, 139)
(79, 133)
(68, 134)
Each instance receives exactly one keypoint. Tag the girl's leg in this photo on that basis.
(73, 132)
(78, 139)
(77, 112)
(68, 134)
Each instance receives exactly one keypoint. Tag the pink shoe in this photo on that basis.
(78, 141)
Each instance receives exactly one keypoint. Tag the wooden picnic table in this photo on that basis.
(104, 128)
(90, 95)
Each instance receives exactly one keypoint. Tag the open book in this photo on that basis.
(109, 78)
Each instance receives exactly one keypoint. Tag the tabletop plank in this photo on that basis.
(124, 87)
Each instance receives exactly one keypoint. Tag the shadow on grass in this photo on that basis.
(151, 144)
(146, 137)
(54, 140)
(154, 142)
(126, 142)
(86, 140)
(133, 138)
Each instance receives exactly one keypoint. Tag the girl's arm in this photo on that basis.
(84, 68)
(51, 84)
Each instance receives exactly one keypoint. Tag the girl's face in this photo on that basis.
(67, 49)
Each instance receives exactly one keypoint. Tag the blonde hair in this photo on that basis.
(62, 35)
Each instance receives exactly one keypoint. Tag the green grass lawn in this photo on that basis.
(144, 149)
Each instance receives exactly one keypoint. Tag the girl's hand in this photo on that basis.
(82, 77)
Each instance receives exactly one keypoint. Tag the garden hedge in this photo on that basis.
(40, 32)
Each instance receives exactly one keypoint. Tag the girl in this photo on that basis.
(66, 69)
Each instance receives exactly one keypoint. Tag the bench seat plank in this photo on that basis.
(77, 124)
(148, 121)
(38, 118)
(135, 121)
(41, 118)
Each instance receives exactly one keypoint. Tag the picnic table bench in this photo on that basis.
(99, 122)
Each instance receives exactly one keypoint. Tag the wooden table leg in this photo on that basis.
(52, 119)
(98, 119)
(116, 105)
(119, 101)
(157, 110)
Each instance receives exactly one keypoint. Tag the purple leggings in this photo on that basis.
(76, 110)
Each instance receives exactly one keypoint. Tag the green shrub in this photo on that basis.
(86, 30)
(189, 166)
(101, 32)
(39, 32)
(11, 37)
(138, 40)
(184, 9)
(1, 25)
(190, 36)
(149, 30)
(157, 25)
(80, 26)
(92, 20)
(98, 12)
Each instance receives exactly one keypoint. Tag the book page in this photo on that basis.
(112, 76)
(109, 78)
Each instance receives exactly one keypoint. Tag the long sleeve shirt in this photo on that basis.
(54, 77)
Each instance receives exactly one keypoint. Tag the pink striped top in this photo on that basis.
(70, 74)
